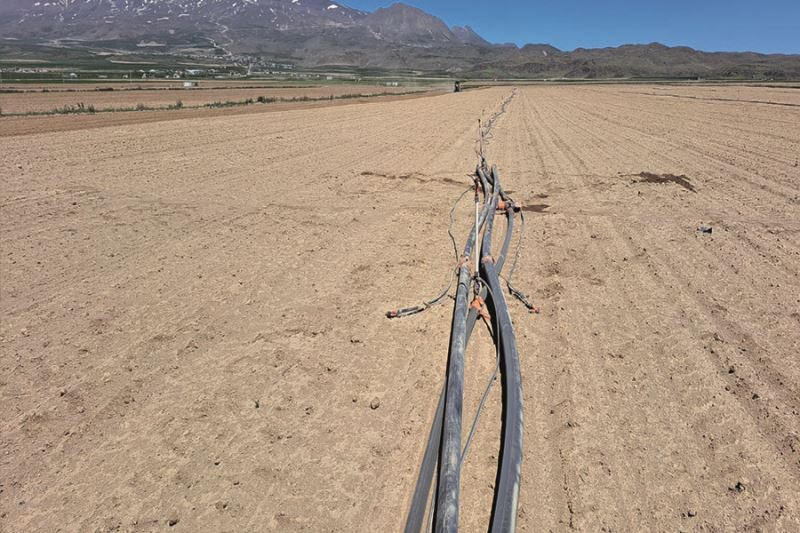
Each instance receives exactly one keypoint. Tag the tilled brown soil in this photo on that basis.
(11, 103)
(157, 83)
(781, 95)
(193, 335)
(12, 126)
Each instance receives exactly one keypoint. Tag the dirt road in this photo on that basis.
(193, 335)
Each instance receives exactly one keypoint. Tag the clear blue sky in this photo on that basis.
(770, 26)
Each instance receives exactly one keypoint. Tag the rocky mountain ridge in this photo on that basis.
(316, 33)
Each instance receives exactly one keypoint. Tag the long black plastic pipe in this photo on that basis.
(449, 460)
(419, 501)
(450, 451)
(506, 497)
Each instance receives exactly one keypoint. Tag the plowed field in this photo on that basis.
(193, 336)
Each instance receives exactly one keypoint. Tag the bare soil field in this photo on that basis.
(193, 335)
(11, 126)
(776, 95)
(14, 103)
(158, 83)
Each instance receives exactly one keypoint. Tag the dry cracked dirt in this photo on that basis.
(193, 334)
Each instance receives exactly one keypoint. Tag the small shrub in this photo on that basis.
(80, 107)
(67, 109)
(178, 105)
(140, 107)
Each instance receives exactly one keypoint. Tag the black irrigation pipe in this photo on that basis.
(450, 459)
(445, 433)
(419, 502)
(450, 450)
(506, 496)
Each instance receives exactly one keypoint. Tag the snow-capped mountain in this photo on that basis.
(237, 24)
(305, 31)
(277, 14)
(328, 32)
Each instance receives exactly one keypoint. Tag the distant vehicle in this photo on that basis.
(189, 84)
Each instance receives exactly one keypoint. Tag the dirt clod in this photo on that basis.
(374, 403)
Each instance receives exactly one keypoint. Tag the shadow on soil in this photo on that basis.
(649, 177)
(535, 208)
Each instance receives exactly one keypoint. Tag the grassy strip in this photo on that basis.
(81, 108)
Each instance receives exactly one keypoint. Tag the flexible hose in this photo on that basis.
(419, 502)
(446, 427)
(449, 460)
(504, 508)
